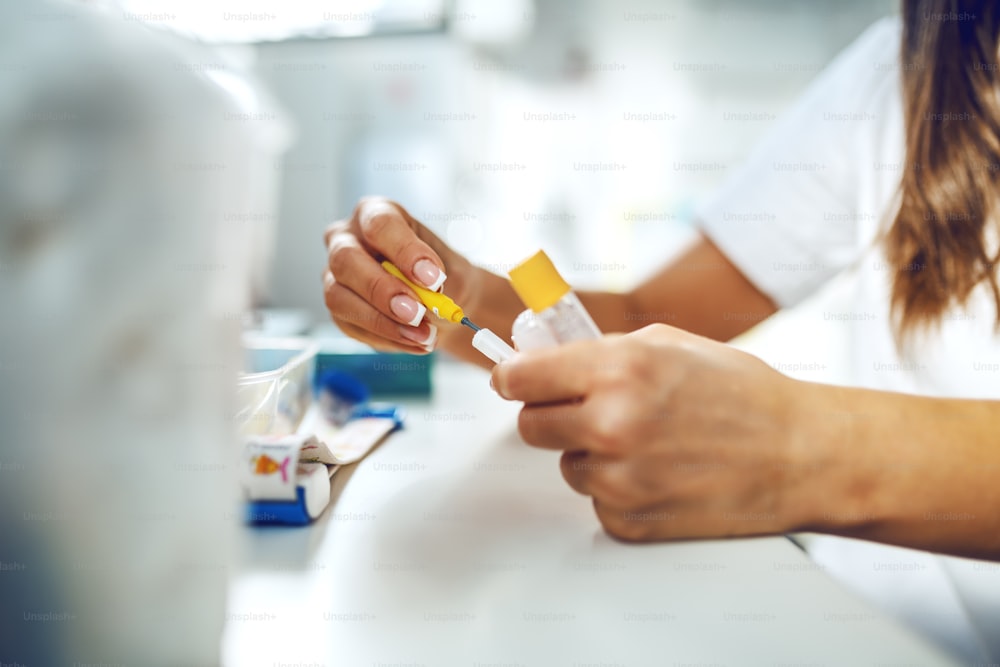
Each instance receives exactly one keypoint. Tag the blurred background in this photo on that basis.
(168, 164)
(588, 127)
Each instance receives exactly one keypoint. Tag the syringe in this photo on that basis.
(484, 340)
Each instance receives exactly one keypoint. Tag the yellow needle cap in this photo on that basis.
(436, 302)
(537, 282)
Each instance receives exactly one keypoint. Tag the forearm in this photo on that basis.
(907, 470)
(700, 291)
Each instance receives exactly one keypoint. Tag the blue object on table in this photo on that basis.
(381, 410)
(339, 394)
(275, 512)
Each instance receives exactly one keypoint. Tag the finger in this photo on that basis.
(347, 307)
(551, 375)
(574, 467)
(358, 271)
(334, 228)
(579, 425)
(550, 426)
(603, 477)
(375, 342)
(683, 520)
(385, 228)
(630, 525)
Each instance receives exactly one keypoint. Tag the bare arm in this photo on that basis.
(701, 292)
(909, 470)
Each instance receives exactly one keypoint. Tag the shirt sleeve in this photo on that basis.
(808, 200)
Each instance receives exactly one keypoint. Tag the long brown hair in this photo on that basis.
(949, 194)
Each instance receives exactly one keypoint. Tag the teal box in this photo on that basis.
(385, 374)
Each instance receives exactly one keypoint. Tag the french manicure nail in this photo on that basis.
(407, 309)
(429, 274)
(429, 343)
(418, 336)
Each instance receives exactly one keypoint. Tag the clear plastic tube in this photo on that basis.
(555, 314)
(529, 332)
(567, 320)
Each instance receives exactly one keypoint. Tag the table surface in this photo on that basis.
(453, 543)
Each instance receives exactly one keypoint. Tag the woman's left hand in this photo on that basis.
(672, 434)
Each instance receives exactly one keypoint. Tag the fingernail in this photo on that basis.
(407, 309)
(493, 386)
(418, 336)
(429, 343)
(429, 274)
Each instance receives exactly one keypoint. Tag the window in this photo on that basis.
(241, 21)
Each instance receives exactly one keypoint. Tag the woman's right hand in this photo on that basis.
(375, 307)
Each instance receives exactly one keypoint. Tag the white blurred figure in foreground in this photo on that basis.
(118, 340)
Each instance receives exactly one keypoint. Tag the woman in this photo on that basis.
(888, 167)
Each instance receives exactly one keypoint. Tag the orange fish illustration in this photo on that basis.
(266, 465)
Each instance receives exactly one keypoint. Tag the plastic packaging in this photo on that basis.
(275, 388)
(555, 314)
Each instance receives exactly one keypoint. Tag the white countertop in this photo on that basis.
(454, 543)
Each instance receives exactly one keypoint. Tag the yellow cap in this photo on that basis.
(436, 302)
(538, 283)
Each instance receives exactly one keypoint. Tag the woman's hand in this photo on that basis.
(673, 435)
(371, 305)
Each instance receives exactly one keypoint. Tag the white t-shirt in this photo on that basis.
(809, 204)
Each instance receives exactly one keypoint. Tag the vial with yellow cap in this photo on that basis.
(555, 314)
